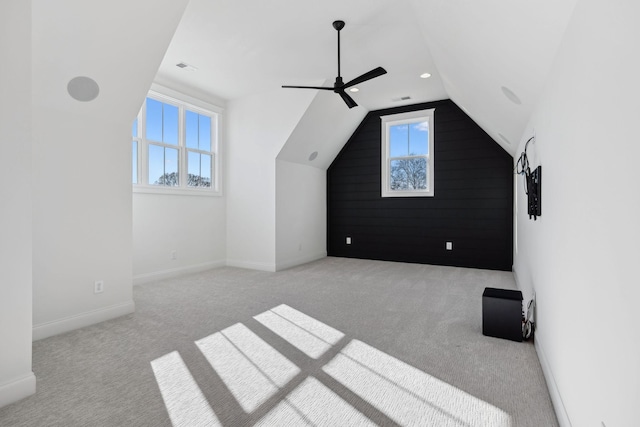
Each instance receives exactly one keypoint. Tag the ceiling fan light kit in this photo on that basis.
(339, 86)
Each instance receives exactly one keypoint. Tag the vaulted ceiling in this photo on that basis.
(491, 57)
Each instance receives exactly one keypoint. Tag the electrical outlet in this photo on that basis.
(98, 286)
(174, 255)
(449, 246)
(348, 240)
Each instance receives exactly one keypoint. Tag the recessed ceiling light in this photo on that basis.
(186, 66)
(510, 95)
(354, 89)
(425, 75)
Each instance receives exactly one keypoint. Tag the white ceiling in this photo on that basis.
(471, 49)
(239, 50)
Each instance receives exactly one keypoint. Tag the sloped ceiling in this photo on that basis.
(471, 49)
(105, 41)
(486, 52)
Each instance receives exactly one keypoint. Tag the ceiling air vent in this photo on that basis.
(402, 98)
(186, 66)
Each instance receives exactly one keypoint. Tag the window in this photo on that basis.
(407, 154)
(134, 153)
(175, 147)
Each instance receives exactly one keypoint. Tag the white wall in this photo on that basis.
(257, 128)
(16, 378)
(301, 214)
(580, 257)
(193, 226)
(82, 203)
(82, 227)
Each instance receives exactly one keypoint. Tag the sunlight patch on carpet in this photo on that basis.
(307, 334)
(314, 404)
(407, 395)
(252, 370)
(182, 397)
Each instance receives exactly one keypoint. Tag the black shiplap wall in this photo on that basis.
(472, 207)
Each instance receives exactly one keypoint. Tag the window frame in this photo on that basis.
(400, 119)
(184, 103)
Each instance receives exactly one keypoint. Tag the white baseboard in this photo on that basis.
(55, 327)
(554, 392)
(140, 279)
(283, 265)
(18, 389)
(262, 266)
(556, 398)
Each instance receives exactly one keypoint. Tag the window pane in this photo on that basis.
(134, 162)
(170, 124)
(154, 120)
(193, 167)
(408, 174)
(171, 166)
(192, 129)
(398, 176)
(205, 133)
(416, 170)
(156, 165)
(199, 170)
(398, 140)
(419, 138)
(134, 128)
(205, 170)
(163, 166)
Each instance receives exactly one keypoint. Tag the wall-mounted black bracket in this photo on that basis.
(534, 192)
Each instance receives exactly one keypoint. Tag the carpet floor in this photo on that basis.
(333, 342)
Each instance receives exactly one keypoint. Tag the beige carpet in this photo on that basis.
(334, 342)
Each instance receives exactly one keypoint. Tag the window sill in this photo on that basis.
(407, 194)
(148, 189)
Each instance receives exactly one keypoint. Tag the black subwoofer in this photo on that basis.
(502, 313)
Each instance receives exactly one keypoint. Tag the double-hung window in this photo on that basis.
(407, 154)
(175, 147)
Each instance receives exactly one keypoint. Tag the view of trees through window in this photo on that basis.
(409, 174)
(408, 149)
(172, 180)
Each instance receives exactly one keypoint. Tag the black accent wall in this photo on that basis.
(472, 206)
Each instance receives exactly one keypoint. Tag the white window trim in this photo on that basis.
(183, 102)
(398, 119)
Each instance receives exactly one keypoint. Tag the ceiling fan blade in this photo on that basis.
(310, 87)
(376, 72)
(347, 99)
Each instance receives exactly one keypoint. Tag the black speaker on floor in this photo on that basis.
(502, 313)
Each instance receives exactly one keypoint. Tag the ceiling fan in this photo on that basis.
(339, 86)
